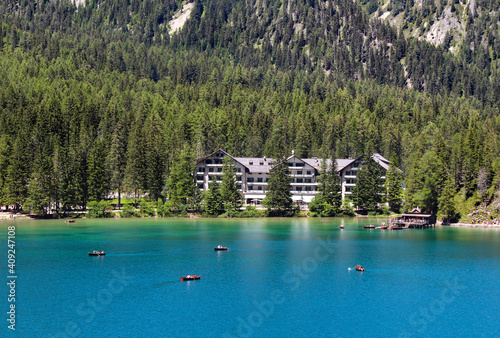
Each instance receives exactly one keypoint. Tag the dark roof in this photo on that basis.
(417, 215)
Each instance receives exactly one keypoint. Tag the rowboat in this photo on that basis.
(189, 277)
(220, 248)
(97, 253)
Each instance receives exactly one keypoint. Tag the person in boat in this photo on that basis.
(220, 246)
(188, 276)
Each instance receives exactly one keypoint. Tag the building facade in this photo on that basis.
(252, 174)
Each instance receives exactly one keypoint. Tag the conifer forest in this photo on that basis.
(100, 96)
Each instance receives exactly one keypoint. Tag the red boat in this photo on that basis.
(189, 277)
(97, 253)
(70, 221)
(220, 248)
(359, 268)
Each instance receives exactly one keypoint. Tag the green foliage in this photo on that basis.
(101, 209)
(329, 184)
(446, 200)
(229, 193)
(278, 198)
(214, 205)
(369, 189)
(102, 99)
(37, 201)
(393, 182)
(181, 186)
(128, 211)
(147, 209)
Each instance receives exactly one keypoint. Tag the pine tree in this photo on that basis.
(278, 199)
(446, 200)
(135, 169)
(229, 189)
(181, 185)
(117, 158)
(154, 156)
(213, 200)
(37, 200)
(369, 188)
(393, 183)
(97, 185)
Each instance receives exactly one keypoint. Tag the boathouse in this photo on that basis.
(415, 220)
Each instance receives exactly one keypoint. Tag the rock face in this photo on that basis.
(434, 23)
(448, 23)
(180, 18)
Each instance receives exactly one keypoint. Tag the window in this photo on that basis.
(355, 164)
(299, 172)
(251, 163)
(238, 170)
(219, 170)
(201, 170)
(208, 161)
(347, 189)
(250, 187)
(309, 172)
(300, 164)
(250, 179)
(200, 186)
(238, 186)
(199, 178)
(259, 187)
(307, 180)
(299, 188)
(290, 164)
(267, 179)
(300, 180)
(210, 170)
(261, 163)
(308, 188)
(292, 180)
(259, 179)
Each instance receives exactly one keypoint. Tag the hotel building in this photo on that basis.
(252, 175)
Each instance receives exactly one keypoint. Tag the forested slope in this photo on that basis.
(101, 96)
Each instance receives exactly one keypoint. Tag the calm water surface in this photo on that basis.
(280, 277)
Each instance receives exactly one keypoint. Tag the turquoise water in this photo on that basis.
(287, 276)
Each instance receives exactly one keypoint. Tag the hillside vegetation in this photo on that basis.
(102, 97)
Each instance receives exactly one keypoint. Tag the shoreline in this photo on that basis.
(9, 216)
(470, 225)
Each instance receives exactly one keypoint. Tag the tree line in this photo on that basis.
(87, 109)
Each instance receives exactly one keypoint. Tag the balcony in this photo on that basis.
(303, 192)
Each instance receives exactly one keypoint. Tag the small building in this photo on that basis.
(415, 220)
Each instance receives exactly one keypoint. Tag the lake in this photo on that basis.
(279, 276)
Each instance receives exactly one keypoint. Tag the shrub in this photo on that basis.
(128, 211)
(147, 209)
(99, 209)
